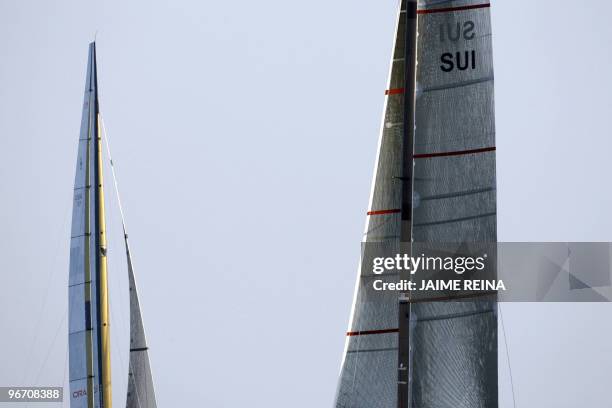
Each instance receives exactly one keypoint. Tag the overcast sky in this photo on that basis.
(244, 135)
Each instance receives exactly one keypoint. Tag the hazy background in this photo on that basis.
(244, 134)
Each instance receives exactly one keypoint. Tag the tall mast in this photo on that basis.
(87, 264)
(404, 364)
(104, 355)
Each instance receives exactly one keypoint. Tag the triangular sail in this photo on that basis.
(83, 337)
(140, 393)
(368, 376)
(435, 183)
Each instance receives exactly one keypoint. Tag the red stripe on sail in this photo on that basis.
(457, 153)
(368, 332)
(451, 9)
(394, 91)
(383, 212)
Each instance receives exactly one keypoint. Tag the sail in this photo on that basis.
(83, 341)
(140, 393)
(454, 344)
(368, 376)
(434, 182)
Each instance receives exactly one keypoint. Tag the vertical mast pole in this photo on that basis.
(404, 363)
(88, 292)
(103, 301)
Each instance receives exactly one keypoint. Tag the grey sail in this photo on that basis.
(434, 183)
(368, 376)
(454, 343)
(84, 369)
(140, 393)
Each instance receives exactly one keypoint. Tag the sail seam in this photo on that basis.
(457, 194)
(459, 84)
(80, 379)
(425, 224)
(80, 331)
(77, 284)
(454, 316)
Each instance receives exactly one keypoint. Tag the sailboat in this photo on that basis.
(434, 182)
(89, 320)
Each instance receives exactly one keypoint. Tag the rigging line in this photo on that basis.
(66, 366)
(50, 350)
(501, 319)
(116, 185)
(112, 166)
(114, 281)
(52, 272)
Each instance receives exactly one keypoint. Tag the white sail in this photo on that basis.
(140, 393)
(83, 339)
(434, 182)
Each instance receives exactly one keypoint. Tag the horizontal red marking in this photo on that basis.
(458, 153)
(450, 9)
(394, 91)
(383, 212)
(367, 332)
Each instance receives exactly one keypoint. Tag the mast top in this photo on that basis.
(92, 70)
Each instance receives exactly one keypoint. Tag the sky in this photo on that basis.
(244, 135)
